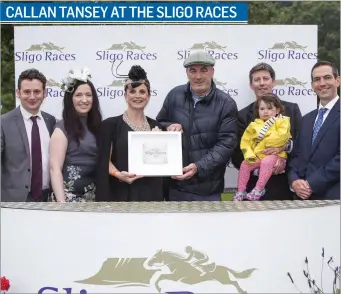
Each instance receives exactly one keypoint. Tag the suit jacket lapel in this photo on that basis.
(250, 115)
(152, 123)
(22, 129)
(333, 115)
(48, 123)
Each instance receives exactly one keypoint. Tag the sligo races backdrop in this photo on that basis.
(161, 50)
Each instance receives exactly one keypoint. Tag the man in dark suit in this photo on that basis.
(314, 168)
(262, 80)
(25, 136)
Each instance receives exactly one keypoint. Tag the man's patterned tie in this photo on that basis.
(318, 123)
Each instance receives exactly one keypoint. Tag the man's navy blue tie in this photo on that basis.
(37, 171)
(318, 123)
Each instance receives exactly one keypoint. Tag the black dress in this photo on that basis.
(114, 131)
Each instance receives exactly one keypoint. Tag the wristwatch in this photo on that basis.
(288, 146)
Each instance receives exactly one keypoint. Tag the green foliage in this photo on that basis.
(327, 16)
(264, 13)
(7, 68)
(323, 13)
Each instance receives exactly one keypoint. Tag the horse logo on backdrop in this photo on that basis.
(118, 55)
(289, 45)
(207, 46)
(116, 83)
(52, 83)
(192, 269)
(115, 87)
(53, 89)
(220, 84)
(288, 50)
(125, 51)
(233, 92)
(44, 51)
(48, 46)
(216, 50)
(292, 86)
(290, 82)
(126, 46)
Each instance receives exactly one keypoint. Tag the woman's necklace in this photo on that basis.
(144, 128)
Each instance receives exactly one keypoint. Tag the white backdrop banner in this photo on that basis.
(161, 50)
(129, 252)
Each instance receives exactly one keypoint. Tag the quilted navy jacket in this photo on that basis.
(209, 135)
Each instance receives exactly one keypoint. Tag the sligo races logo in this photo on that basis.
(47, 51)
(112, 90)
(116, 89)
(216, 50)
(290, 50)
(125, 51)
(292, 87)
(193, 269)
(149, 272)
(223, 86)
(53, 89)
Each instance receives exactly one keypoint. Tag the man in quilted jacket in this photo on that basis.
(207, 116)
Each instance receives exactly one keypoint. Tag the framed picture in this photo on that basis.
(155, 153)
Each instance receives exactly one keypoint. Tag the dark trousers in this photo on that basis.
(176, 195)
(44, 195)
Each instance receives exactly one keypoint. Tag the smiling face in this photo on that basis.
(82, 99)
(324, 83)
(261, 83)
(138, 97)
(200, 78)
(31, 95)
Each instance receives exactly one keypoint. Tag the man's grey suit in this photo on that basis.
(15, 155)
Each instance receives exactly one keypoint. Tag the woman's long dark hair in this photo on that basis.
(72, 123)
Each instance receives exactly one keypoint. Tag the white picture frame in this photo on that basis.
(155, 153)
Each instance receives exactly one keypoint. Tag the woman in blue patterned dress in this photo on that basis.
(73, 147)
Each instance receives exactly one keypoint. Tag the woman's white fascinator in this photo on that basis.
(75, 75)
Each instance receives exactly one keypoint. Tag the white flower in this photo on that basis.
(80, 74)
(75, 75)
